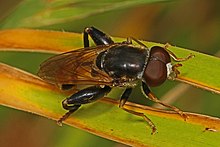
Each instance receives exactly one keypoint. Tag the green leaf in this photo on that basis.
(45, 13)
(104, 118)
(33, 95)
(57, 42)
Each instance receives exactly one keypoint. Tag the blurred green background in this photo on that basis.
(189, 24)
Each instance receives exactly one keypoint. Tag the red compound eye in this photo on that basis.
(156, 71)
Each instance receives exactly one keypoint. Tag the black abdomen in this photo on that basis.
(123, 61)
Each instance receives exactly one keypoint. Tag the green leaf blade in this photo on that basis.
(46, 13)
(104, 118)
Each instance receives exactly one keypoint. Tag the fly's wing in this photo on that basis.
(75, 67)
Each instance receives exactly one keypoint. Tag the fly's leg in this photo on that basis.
(125, 97)
(123, 100)
(174, 57)
(66, 115)
(97, 36)
(174, 68)
(130, 39)
(84, 96)
(175, 71)
(153, 98)
(67, 86)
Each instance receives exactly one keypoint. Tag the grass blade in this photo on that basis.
(33, 95)
(57, 42)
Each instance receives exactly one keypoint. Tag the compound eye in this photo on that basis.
(155, 72)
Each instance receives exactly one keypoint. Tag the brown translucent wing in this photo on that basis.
(75, 67)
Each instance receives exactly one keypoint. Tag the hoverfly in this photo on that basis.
(109, 65)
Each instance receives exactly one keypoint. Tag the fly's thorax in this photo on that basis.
(123, 61)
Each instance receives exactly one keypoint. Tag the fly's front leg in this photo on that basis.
(123, 100)
(153, 98)
(84, 96)
(174, 68)
(97, 36)
(174, 57)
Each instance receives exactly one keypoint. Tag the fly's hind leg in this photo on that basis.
(99, 37)
(84, 96)
(66, 115)
(153, 98)
(123, 100)
(67, 86)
